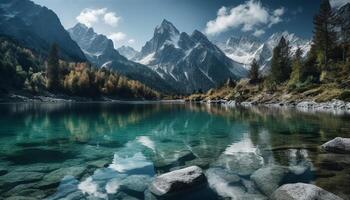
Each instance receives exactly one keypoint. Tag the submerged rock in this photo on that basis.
(177, 181)
(54, 178)
(302, 191)
(269, 178)
(337, 145)
(243, 163)
(15, 178)
(135, 184)
(228, 185)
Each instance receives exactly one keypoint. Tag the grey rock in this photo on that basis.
(268, 179)
(302, 191)
(177, 181)
(337, 145)
(276, 176)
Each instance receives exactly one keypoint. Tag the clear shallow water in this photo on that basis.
(106, 151)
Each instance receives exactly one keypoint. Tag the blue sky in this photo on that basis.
(131, 22)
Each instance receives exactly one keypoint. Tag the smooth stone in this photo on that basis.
(243, 164)
(337, 145)
(177, 181)
(135, 183)
(53, 178)
(302, 191)
(276, 176)
(15, 178)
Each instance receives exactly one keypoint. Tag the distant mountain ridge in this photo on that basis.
(100, 51)
(37, 28)
(189, 62)
(128, 52)
(246, 48)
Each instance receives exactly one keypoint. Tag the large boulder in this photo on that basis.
(337, 145)
(276, 175)
(302, 191)
(177, 181)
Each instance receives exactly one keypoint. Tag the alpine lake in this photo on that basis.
(114, 150)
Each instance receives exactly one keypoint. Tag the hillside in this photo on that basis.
(23, 72)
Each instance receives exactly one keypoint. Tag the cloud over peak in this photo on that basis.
(90, 17)
(249, 16)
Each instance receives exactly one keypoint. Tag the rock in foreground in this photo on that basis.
(177, 181)
(337, 145)
(302, 191)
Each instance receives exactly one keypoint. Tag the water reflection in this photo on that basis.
(104, 149)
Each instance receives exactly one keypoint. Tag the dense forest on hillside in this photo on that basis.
(23, 71)
(322, 76)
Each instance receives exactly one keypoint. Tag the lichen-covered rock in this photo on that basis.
(177, 181)
(337, 145)
(302, 191)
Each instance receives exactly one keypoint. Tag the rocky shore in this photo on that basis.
(305, 105)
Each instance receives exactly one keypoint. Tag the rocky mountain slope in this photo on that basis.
(100, 51)
(37, 28)
(128, 52)
(189, 62)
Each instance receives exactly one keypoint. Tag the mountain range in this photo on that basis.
(100, 51)
(191, 62)
(171, 61)
(246, 48)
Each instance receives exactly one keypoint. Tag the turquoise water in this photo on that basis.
(113, 150)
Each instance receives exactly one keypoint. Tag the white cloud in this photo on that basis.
(258, 33)
(90, 16)
(338, 3)
(249, 16)
(117, 38)
(111, 19)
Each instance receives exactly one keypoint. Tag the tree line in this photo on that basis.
(22, 70)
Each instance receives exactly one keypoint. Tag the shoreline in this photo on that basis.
(335, 105)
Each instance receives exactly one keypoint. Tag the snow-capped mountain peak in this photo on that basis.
(190, 62)
(246, 48)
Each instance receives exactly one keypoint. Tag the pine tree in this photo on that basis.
(309, 69)
(295, 76)
(254, 72)
(324, 35)
(52, 72)
(280, 63)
